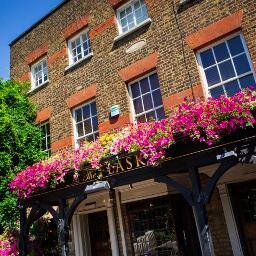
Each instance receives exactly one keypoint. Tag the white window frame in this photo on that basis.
(79, 35)
(74, 122)
(201, 69)
(33, 66)
(137, 25)
(134, 116)
(48, 150)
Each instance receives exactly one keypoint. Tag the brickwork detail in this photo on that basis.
(57, 56)
(44, 115)
(25, 77)
(116, 3)
(62, 143)
(215, 31)
(115, 123)
(102, 27)
(36, 54)
(139, 68)
(82, 96)
(177, 98)
(75, 27)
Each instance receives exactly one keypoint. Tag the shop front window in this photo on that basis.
(163, 227)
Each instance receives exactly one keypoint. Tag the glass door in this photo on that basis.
(99, 234)
(243, 199)
(163, 227)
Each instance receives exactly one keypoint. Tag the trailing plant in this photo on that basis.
(204, 121)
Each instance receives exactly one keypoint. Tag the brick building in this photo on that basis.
(142, 57)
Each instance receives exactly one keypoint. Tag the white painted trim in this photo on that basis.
(32, 73)
(132, 30)
(71, 66)
(134, 116)
(77, 236)
(230, 220)
(74, 120)
(120, 219)
(112, 231)
(72, 39)
(137, 25)
(201, 69)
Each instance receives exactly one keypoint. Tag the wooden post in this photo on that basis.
(200, 214)
(23, 231)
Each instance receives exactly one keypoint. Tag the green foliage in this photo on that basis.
(19, 143)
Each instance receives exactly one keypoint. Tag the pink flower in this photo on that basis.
(204, 121)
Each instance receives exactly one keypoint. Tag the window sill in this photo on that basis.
(123, 35)
(35, 89)
(78, 62)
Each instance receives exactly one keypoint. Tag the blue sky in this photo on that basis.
(16, 16)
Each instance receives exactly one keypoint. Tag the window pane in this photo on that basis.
(78, 114)
(226, 70)
(128, 10)
(207, 58)
(80, 129)
(95, 123)
(48, 142)
(241, 64)
(43, 130)
(137, 5)
(90, 138)
(144, 12)
(212, 76)
(93, 108)
(157, 97)
(87, 126)
(85, 45)
(73, 44)
(144, 85)
(217, 91)
(235, 45)
(154, 83)
(86, 112)
(122, 14)
(148, 98)
(84, 37)
(130, 20)
(221, 52)
(138, 105)
(247, 81)
(138, 14)
(147, 102)
(151, 116)
(79, 49)
(135, 90)
(124, 22)
(47, 128)
(232, 87)
(160, 113)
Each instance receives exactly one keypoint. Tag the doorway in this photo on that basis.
(99, 234)
(163, 227)
(243, 199)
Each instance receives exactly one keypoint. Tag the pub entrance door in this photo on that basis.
(98, 234)
(243, 199)
(163, 226)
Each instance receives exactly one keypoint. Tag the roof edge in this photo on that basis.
(38, 22)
